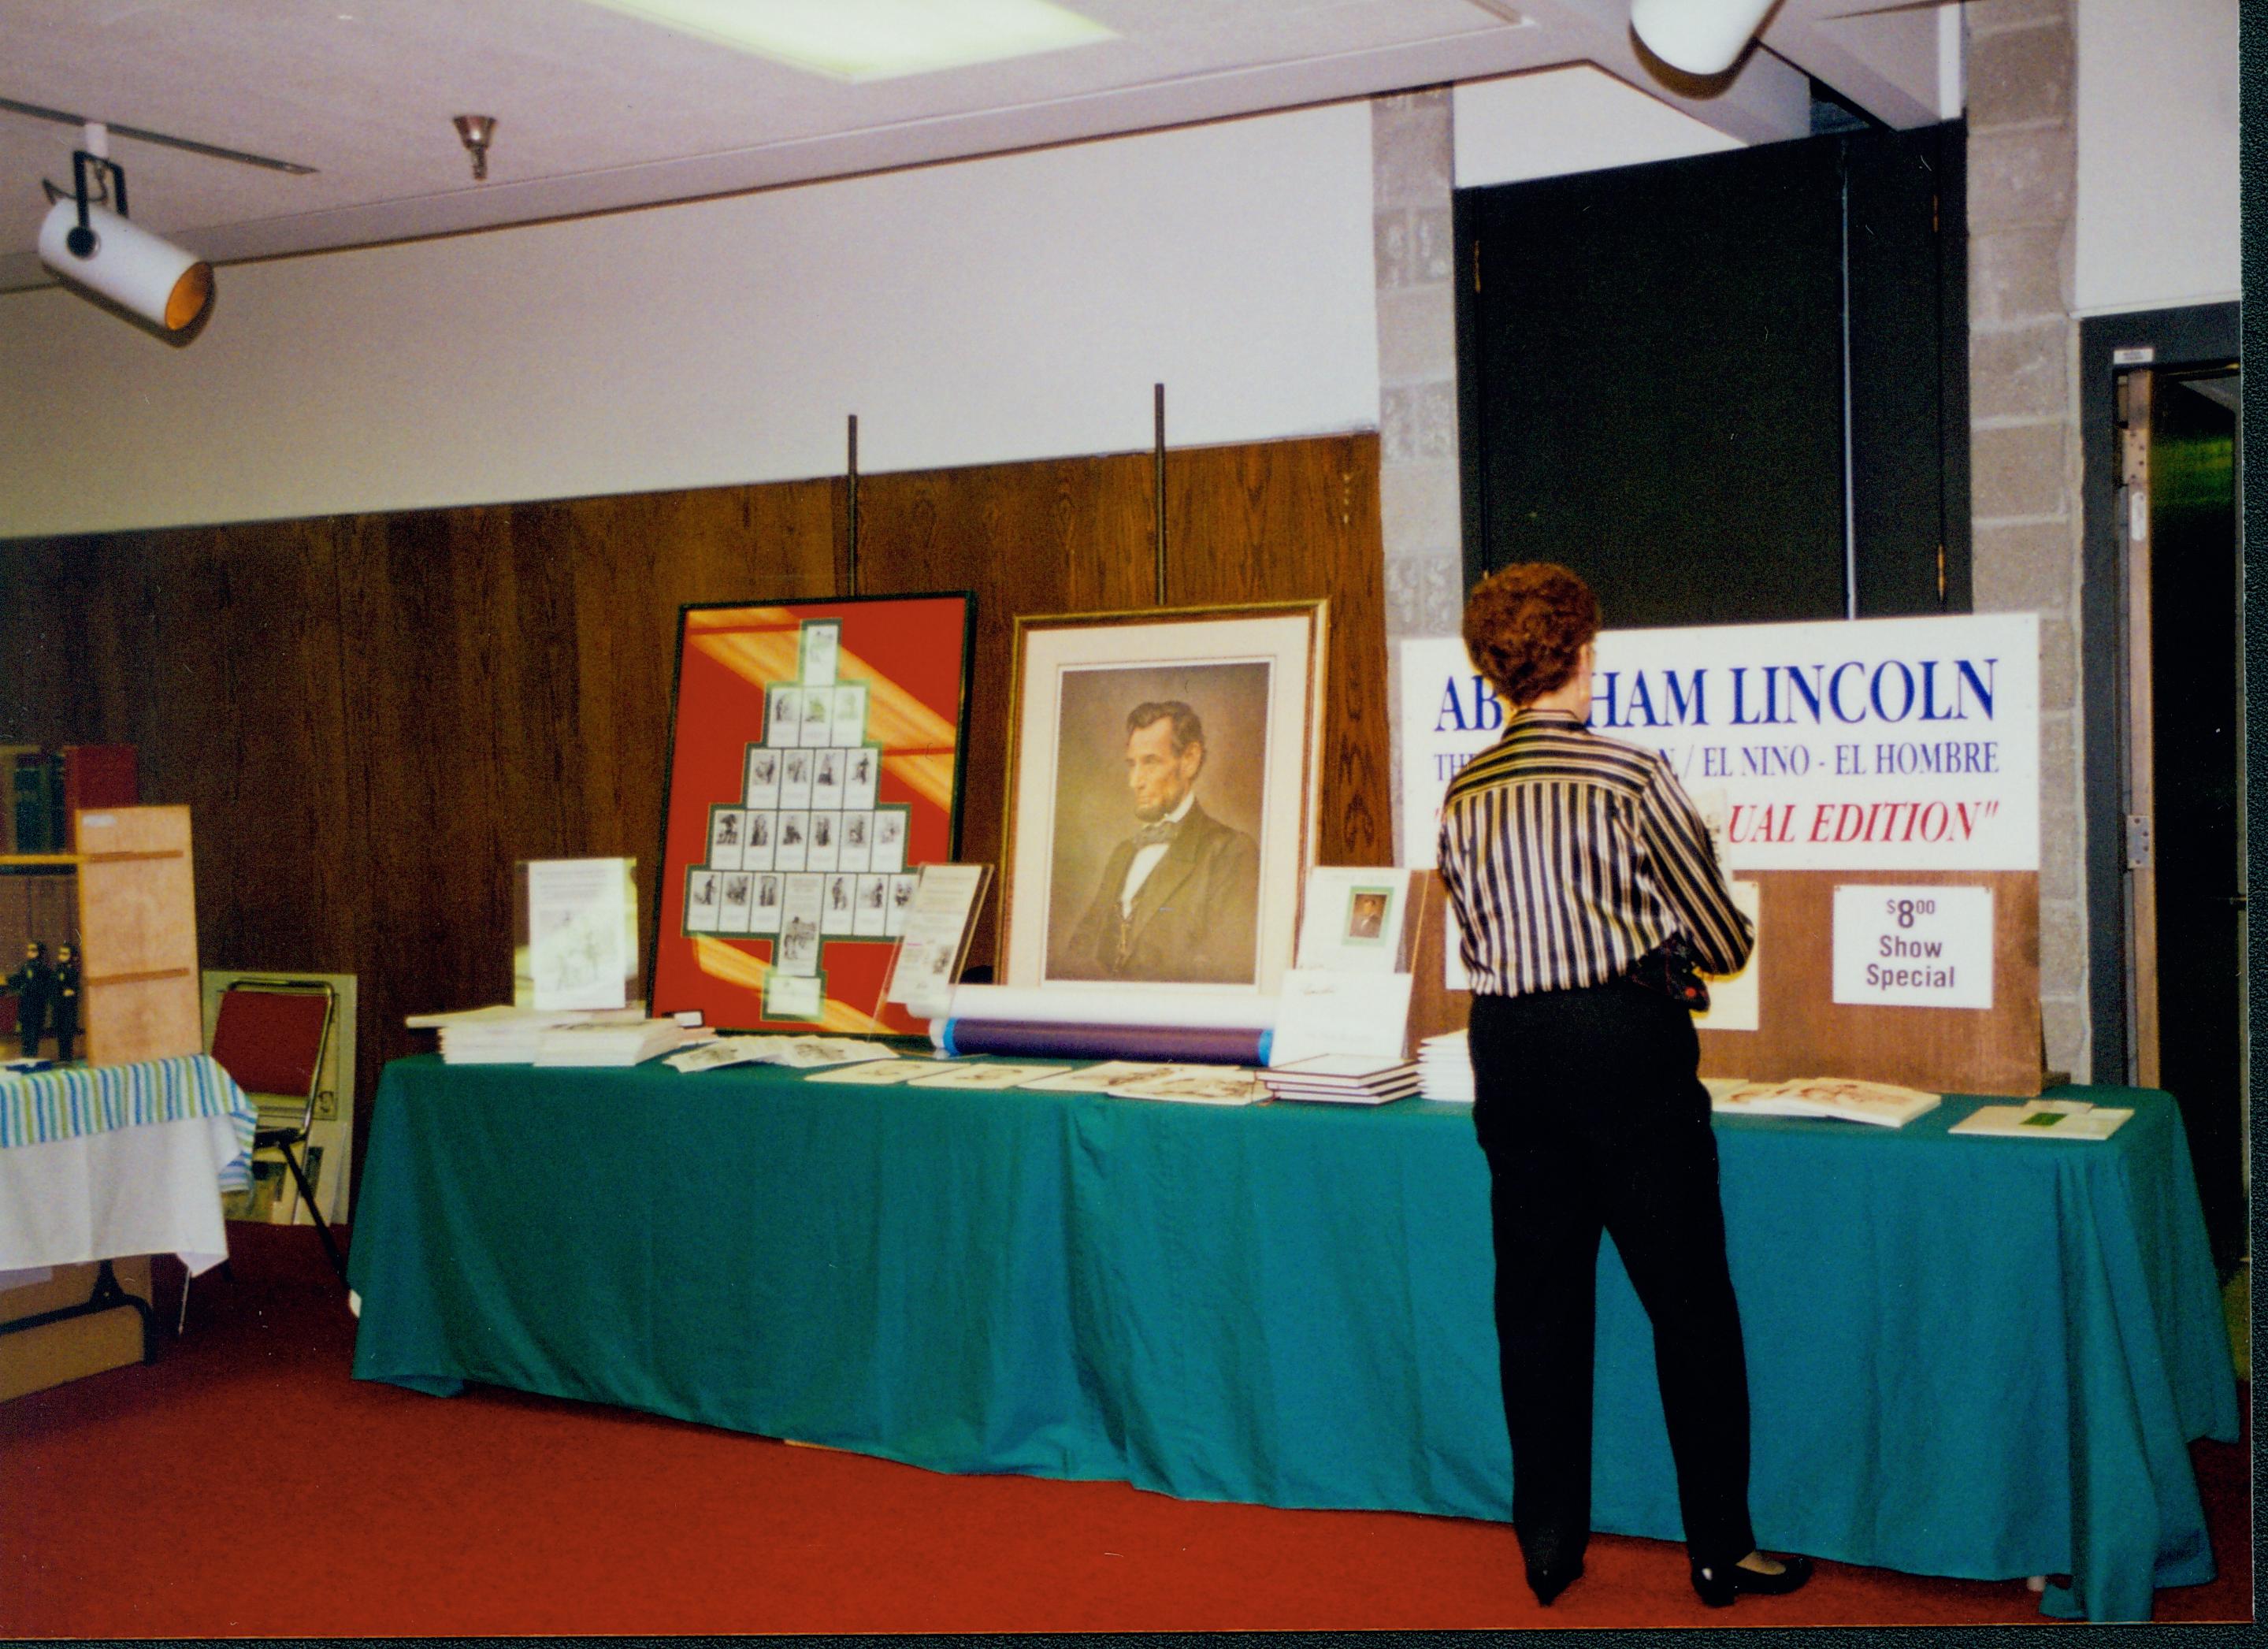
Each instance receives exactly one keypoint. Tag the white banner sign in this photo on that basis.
(1867, 744)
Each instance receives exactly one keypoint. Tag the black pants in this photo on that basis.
(1591, 1117)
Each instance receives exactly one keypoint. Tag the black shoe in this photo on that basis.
(1720, 1585)
(1551, 1579)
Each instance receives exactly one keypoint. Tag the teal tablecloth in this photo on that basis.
(1976, 1358)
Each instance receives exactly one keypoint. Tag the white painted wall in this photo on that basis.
(1013, 307)
(1557, 120)
(2158, 215)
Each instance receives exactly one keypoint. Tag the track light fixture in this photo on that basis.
(1701, 37)
(100, 250)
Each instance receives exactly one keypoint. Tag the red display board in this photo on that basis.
(815, 763)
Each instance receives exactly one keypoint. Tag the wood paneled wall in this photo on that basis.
(372, 716)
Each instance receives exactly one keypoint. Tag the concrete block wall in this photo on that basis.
(1419, 507)
(2024, 451)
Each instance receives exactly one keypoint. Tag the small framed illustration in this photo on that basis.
(763, 789)
(812, 744)
(1162, 777)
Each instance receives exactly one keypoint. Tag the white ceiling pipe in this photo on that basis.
(1702, 37)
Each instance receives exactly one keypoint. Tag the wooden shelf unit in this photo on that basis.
(138, 932)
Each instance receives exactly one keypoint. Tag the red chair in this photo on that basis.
(270, 1036)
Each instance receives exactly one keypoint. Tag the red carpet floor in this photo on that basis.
(145, 1501)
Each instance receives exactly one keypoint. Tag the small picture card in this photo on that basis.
(1103, 1077)
(849, 715)
(762, 834)
(782, 715)
(764, 916)
(798, 951)
(702, 910)
(795, 779)
(826, 842)
(890, 839)
(863, 779)
(902, 898)
(871, 917)
(818, 716)
(763, 789)
(736, 893)
(877, 1072)
(820, 644)
(794, 841)
(961, 1076)
(795, 996)
(837, 916)
(826, 779)
(858, 853)
(727, 826)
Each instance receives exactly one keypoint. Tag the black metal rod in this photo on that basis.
(1158, 465)
(64, 118)
(852, 475)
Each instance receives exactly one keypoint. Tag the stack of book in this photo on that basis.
(1445, 1069)
(506, 1036)
(599, 1043)
(1342, 1079)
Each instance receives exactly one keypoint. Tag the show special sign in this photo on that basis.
(1855, 744)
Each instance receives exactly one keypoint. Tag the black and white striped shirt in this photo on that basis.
(1568, 855)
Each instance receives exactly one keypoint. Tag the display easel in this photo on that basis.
(139, 999)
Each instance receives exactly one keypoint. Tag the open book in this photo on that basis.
(1844, 1099)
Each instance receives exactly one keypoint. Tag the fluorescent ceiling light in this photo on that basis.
(874, 40)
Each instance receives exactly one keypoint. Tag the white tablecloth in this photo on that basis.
(147, 1189)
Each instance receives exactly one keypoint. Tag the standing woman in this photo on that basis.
(1588, 891)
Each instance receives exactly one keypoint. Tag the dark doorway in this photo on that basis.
(2197, 689)
(1727, 388)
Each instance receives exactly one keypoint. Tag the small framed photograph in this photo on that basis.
(737, 908)
(820, 645)
(728, 828)
(839, 915)
(826, 842)
(1162, 774)
(794, 844)
(849, 715)
(889, 855)
(800, 898)
(702, 912)
(862, 777)
(871, 917)
(818, 716)
(764, 916)
(857, 852)
(827, 779)
(763, 789)
(902, 897)
(762, 832)
(782, 715)
(795, 778)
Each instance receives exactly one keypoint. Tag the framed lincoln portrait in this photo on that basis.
(1162, 774)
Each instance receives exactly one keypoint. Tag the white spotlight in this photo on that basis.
(1702, 37)
(100, 249)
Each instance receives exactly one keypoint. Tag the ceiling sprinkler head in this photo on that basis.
(476, 131)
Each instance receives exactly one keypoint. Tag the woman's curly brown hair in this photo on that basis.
(1524, 626)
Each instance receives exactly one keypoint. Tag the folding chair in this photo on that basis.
(270, 1036)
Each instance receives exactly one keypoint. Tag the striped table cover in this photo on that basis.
(41, 1106)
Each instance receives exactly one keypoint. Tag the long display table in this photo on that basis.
(1974, 1358)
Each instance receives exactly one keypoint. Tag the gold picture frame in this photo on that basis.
(1082, 905)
